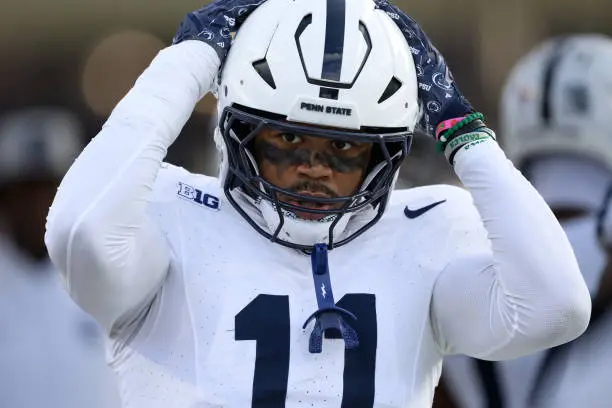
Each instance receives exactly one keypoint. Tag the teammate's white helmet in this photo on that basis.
(558, 100)
(38, 143)
(340, 65)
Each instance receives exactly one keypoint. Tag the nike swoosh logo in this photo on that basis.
(420, 211)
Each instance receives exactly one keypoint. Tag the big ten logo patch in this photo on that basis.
(197, 196)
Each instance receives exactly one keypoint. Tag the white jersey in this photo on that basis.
(51, 352)
(243, 301)
(204, 311)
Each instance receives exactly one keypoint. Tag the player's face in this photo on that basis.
(311, 166)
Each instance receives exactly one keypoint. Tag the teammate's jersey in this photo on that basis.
(205, 312)
(51, 352)
(552, 378)
(572, 375)
(585, 374)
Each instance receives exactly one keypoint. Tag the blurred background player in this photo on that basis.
(51, 352)
(555, 113)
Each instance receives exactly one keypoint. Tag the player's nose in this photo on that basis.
(315, 167)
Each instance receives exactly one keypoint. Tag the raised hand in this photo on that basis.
(438, 93)
(216, 23)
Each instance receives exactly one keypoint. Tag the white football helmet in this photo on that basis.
(342, 66)
(38, 143)
(558, 100)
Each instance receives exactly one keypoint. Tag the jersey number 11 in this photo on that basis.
(266, 320)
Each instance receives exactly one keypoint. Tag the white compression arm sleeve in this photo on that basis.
(530, 294)
(99, 235)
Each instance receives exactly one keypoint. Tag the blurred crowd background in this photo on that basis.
(67, 63)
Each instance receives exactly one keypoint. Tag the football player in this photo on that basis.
(297, 278)
(554, 115)
(51, 352)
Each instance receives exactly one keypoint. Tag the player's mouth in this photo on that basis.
(309, 204)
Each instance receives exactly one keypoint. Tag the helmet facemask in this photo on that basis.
(239, 125)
